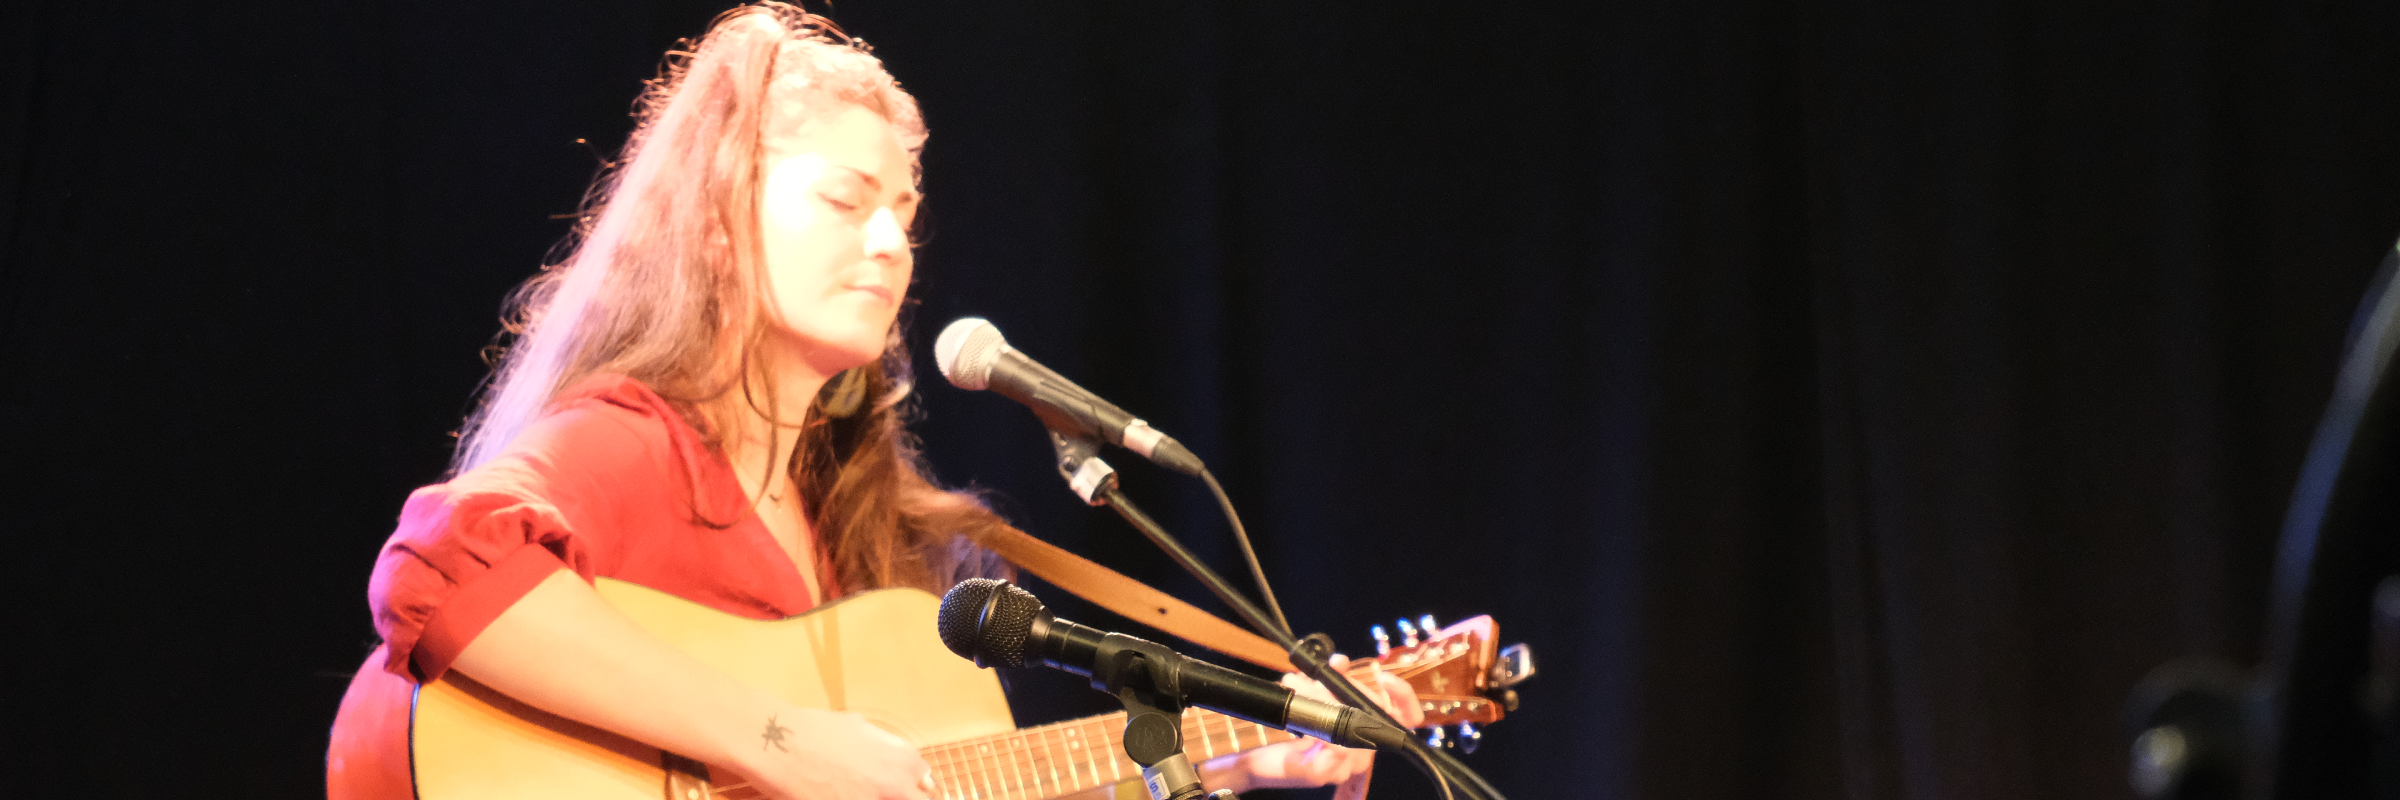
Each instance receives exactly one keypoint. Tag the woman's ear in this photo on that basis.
(843, 395)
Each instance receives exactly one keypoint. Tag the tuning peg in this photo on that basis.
(1425, 623)
(1383, 641)
(1469, 737)
(1437, 738)
(1513, 667)
(1408, 634)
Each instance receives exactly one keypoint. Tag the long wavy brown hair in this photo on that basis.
(661, 282)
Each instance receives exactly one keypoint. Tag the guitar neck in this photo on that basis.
(1073, 756)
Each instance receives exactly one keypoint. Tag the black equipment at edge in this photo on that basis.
(2320, 715)
(998, 624)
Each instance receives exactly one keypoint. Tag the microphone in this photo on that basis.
(998, 624)
(974, 356)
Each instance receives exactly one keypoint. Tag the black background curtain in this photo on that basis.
(1846, 400)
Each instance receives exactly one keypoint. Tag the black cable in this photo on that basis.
(1242, 537)
(1441, 777)
(1432, 762)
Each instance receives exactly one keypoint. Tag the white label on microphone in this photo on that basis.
(1141, 438)
(1089, 477)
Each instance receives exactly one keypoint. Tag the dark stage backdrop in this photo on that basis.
(1846, 400)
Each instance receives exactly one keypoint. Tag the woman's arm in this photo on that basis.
(564, 650)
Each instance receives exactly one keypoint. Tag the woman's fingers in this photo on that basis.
(1400, 699)
(1323, 764)
(1355, 788)
(1309, 762)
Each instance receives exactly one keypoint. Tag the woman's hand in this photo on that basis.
(812, 754)
(1309, 762)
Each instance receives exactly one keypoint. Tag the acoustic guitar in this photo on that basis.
(875, 654)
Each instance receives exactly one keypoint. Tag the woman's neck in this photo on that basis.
(763, 419)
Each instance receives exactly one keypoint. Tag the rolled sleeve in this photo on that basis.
(455, 564)
(472, 607)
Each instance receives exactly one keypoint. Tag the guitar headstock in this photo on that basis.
(1461, 675)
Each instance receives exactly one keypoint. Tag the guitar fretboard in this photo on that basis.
(1073, 756)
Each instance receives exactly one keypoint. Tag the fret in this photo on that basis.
(941, 772)
(970, 778)
(1089, 753)
(1029, 775)
(948, 782)
(1021, 759)
(1066, 742)
(1083, 753)
(1007, 762)
(1031, 755)
(1112, 748)
(985, 786)
(1208, 747)
(991, 771)
(963, 765)
(1050, 755)
(1015, 771)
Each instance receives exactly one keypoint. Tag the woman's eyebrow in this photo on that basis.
(877, 184)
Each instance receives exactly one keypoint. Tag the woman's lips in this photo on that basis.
(883, 292)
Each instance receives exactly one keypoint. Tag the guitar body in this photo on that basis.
(875, 654)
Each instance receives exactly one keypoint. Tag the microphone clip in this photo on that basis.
(1079, 462)
(1143, 676)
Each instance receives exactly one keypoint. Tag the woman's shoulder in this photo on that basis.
(605, 431)
(611, 409)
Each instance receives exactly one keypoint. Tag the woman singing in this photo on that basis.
(707, 398)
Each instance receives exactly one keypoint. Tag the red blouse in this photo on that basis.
(611, 482)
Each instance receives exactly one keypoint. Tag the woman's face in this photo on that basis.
(834, 214)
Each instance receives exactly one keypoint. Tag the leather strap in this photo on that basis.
(1135, 600)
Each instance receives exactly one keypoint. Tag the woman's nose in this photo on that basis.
(885, 240)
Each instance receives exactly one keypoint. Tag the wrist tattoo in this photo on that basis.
(774, 735)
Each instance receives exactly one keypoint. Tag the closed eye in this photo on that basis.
(838, 204)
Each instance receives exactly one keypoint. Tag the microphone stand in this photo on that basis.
(1153, 717)
(1154, 735)
(1096, 482)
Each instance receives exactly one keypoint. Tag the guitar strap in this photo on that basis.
(1112, 590)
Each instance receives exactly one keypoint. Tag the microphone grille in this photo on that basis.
(988, 621)
(965, 352)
